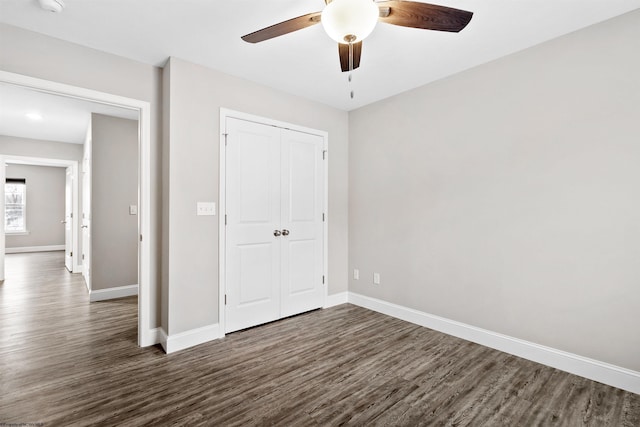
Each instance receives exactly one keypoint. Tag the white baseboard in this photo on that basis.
(23, 249)
(152, 337)
(336, 299)
(112, 293)
(612, 375)
(163, 339)
(177, 342)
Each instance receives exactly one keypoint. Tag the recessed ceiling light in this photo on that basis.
(34, 116)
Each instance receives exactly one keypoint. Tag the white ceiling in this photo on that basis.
(305, 62)
(63, 119)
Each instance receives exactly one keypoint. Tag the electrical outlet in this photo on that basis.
(356, 274)
(376, 278)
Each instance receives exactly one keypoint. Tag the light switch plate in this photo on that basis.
(376, 278)
(133, 210)
(206, 208)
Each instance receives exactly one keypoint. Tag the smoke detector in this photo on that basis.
(52, 5)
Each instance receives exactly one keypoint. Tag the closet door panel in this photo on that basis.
(301, 206)
(253, 253)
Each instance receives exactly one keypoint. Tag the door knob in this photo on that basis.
(63, 222)
(84, 226)
(276, 233)
(285, 232)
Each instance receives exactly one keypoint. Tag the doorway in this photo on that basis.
(69, 222)
(146, 334)
(273, 205)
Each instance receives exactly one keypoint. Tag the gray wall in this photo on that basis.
(508, 197)
(37, 55)
(114, 186)
(194, 96)
(14, 146)
(45, 205)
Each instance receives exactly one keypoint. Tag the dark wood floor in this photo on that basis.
(66, 362)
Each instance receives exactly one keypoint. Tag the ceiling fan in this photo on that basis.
(349, 21)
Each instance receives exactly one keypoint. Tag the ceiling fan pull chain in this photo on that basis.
(350, 64)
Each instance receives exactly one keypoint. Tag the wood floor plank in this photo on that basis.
(66, 362)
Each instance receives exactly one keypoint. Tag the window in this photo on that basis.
(15, 204)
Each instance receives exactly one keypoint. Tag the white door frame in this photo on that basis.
(222, 233)
(3, 170)
(69, 215)
(146, 335)
(73, 164)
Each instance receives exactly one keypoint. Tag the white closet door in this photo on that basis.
(253, 214)
(301, 221)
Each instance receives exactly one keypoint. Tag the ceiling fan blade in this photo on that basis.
(343, 50)
(283, 28)
(423, 15)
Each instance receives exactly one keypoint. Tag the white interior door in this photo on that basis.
(274, 232)
(68, 220)
(86, 220)
(253, 214)
(302, 197)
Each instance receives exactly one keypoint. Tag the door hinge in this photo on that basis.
(225, 219)
(322, 216)
(225, 138)
(71, 215)
(141, 237)
(70, 253)
(323, 280)
(324, 154)
(83, 257)
(225, 299)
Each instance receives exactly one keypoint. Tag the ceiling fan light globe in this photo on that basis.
(343, 19)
